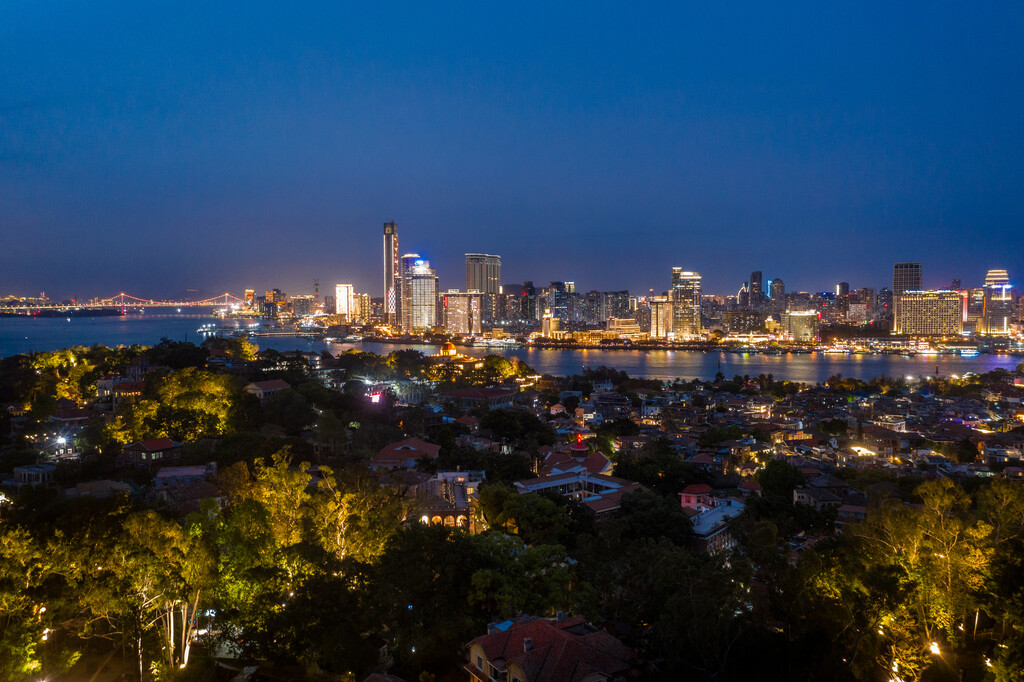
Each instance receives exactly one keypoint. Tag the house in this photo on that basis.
(750, 487)
(148, 452)
(450, 498)
(264, 389)
(99, 489)
(697, 496)
(404, 454)
(540, 650)
(711, 526)
(168, 477)
(31, 475)
(601, 495)
(819, 498)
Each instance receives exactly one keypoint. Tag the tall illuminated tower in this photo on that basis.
(392, 286)
(686, 290)
(998, 303)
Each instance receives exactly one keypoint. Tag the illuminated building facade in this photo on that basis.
(998, 304)
(392, 285)
(800, 325)
(422, 299)
(661, 317)
(344, 301)
(929, 313)
(404, 289)
(686, 303)
(462, 312)
(363, 308)
(303, 305)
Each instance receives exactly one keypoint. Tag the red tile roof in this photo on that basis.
(271, 385)
(697, 489)
(565, 651)
(410, 448)
(156, 444)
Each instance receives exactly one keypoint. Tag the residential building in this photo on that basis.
(540, 650)
(483, 273)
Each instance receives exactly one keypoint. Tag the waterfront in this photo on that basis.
(21, 335)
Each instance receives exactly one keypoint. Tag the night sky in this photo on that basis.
(159, 146)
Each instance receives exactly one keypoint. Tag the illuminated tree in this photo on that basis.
(142, 586)
(27, 618)
(355, 519)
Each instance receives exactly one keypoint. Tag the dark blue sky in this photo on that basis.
(159, 146)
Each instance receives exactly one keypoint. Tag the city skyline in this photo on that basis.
(361, 279)
(597, 145)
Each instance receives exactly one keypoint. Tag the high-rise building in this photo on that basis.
(344, 301)
(462, 312)
(906, 277)
(404, 289)
(686, 303)
(928, 313)
(483, 273)
(800, 325)
(661, 317)
(392, 285)
(303, 305)
(422, 285)
(362, 308)
(777, 296)
(558, 299)
(843, 289)
(614, 304)
(757, 297)
(998, 305)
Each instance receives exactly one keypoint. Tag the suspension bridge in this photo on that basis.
(124, 302)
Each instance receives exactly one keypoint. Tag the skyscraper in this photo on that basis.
(756, 289)
(419, 294)
(403, 293)
(777, 294)
(686, 290)
(483, 273)
(998, 303)
(906, 277)
(462, 312)
(661, 317)
(392, 295)
(344, 301)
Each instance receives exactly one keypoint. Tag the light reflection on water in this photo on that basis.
(21, 335)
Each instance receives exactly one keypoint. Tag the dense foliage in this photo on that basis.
(306, 560)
